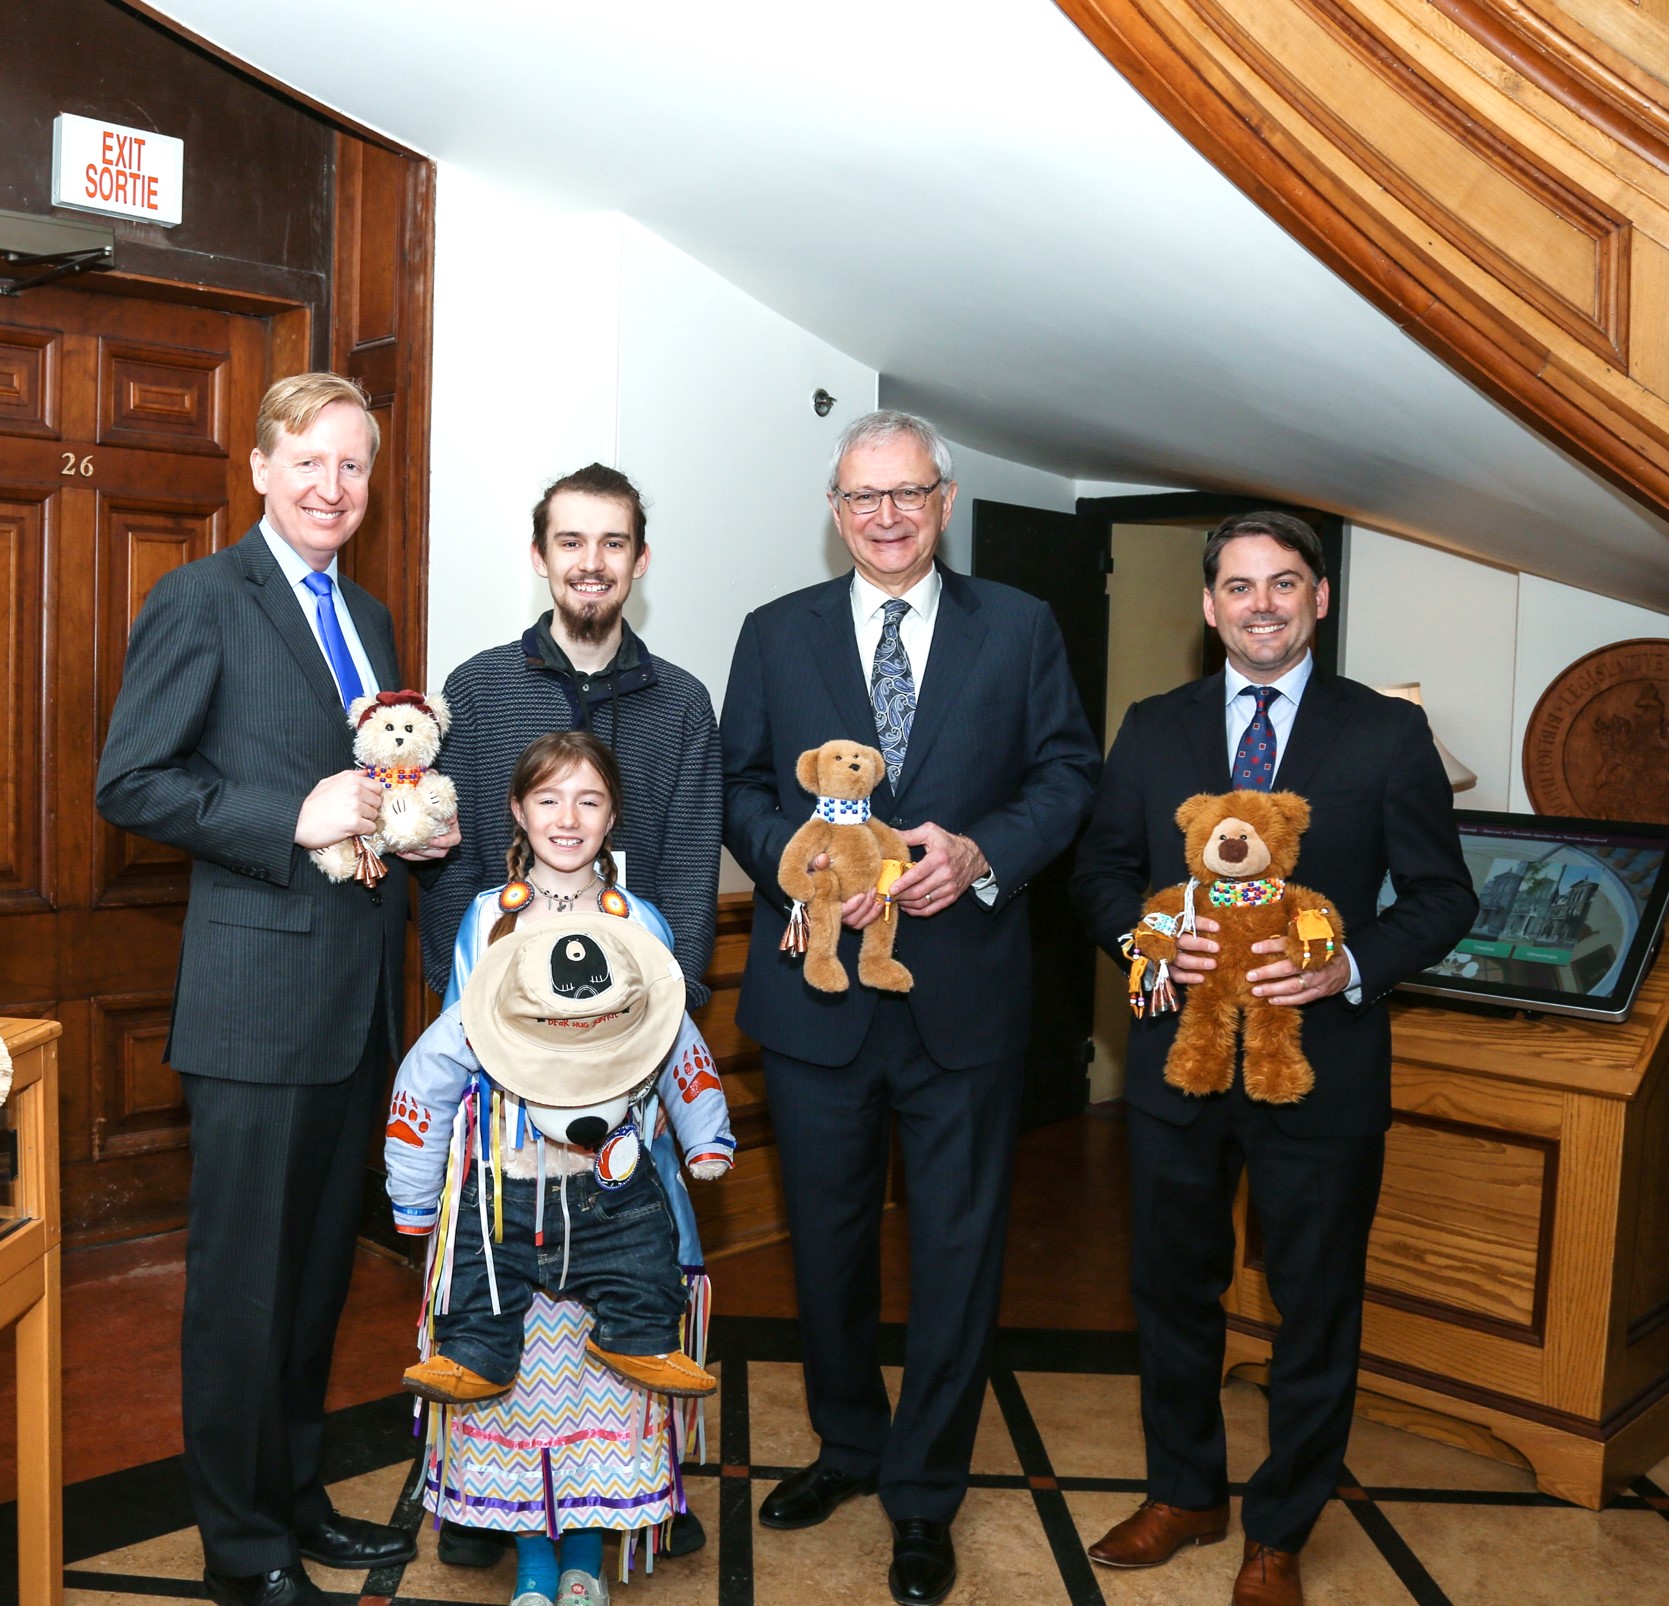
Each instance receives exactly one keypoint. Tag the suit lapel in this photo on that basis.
(1316, 726)
(834, 648)
(278, 602)
(1208, 736)
(372, 637)
(958, 633)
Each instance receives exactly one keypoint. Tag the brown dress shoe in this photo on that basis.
(1153, 1533)
(1268, 1578)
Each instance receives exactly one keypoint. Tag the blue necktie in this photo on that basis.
(892, 691)
(1254, 759)
(335, 643)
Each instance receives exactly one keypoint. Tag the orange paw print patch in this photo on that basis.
(695, 1072)
(408, 1121)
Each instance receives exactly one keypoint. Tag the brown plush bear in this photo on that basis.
(865, 855)
(1240, 847)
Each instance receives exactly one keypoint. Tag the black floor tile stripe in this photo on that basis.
(735, 1491)
(408, 1514)
(1647, 1493)
(142, 1503)
(133, 1584)
(1076, 1570)
(1421, 1586)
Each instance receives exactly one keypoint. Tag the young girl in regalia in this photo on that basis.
(571, 1449)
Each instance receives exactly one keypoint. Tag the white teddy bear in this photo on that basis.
(396, 738)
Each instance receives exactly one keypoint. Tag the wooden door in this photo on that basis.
(125, 429)
(1062, 559)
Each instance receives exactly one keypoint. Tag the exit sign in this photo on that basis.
(122, 172)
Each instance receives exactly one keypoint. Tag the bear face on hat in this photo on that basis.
(576, 1013)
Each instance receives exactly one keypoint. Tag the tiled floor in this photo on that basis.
(1058, 1461)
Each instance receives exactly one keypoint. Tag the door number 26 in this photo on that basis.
(71, 467)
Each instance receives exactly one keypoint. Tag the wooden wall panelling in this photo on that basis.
(23, 516)
(1496, 212)
(381, 336)
(152, 375)
(1517, 1301)
(257, 179)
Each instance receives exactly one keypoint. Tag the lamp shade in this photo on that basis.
(1460, 778)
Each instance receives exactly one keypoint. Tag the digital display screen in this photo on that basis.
(1568, 913)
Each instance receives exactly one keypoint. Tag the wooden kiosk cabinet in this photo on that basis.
(29, 1299)
(1518, 1271)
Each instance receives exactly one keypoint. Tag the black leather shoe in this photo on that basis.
(923, 1562)
(687, 1536)
(460, 1546)
(352, 1543)
(807, 1497)
(284, 1586)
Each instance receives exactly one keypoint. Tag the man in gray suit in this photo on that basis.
(230, 740)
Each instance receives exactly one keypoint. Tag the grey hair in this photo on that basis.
(872, 429)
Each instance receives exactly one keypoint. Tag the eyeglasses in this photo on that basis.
(906, 498)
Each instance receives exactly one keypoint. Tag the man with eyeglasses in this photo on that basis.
(962, 684)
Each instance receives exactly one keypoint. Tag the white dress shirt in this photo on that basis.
(915, 635)
(296, 569)
(915, 629)
(1283, 711)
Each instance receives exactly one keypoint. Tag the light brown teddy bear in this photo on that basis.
(1240, 847)
(396, 738)
(865, 854)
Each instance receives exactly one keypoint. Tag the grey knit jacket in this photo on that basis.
(659, 721)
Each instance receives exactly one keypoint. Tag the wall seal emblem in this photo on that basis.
(1597, 744)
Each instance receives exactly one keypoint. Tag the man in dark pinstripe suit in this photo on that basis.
(990, 770)
(230, 740)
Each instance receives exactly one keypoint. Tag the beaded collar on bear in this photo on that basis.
(842, 810)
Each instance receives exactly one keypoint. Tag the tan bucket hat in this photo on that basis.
(574, 1013)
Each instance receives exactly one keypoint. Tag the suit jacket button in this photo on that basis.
(376, 897)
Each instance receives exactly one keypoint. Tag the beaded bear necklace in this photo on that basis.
(1246, 894)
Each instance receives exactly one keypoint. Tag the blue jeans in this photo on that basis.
(622, 1265)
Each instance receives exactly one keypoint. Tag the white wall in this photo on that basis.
(1483, 642)
(718, 430)
(628, 352)
(1414, 613)
(1556, 626)
(526, 387)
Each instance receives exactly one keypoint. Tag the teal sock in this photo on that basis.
(536, 1565)
(584, 1550)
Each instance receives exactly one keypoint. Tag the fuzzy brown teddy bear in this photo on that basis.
(1240, 847)
(396, 738)
(865, 854)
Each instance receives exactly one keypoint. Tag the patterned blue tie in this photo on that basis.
(330, 633)
(892, 691)
(1254, 759)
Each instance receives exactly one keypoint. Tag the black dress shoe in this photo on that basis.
(923, 1562)
(687, 1536)
(807, 1497)
(284, 1586)
(460, 1546)
(352, 1543)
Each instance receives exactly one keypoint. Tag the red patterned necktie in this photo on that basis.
(1254, 759)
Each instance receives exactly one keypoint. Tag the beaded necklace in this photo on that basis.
(1246, 894)
(392, 775)
(842, 810)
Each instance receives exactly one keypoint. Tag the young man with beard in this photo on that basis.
(580, 666)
